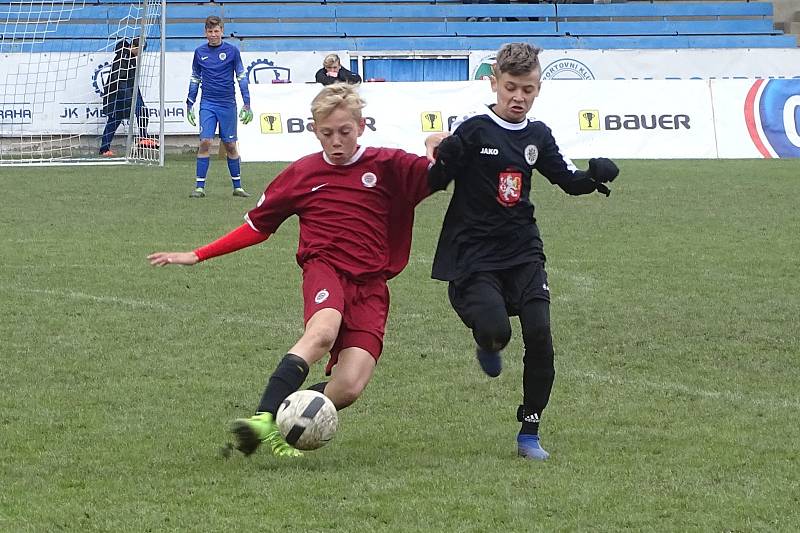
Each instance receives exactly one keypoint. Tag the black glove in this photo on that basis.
(450, 151)
(602, 170)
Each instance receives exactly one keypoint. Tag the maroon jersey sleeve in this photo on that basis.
(276, 204)
(409, 174)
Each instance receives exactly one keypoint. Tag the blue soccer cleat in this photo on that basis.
(491, 362)
(528, 447)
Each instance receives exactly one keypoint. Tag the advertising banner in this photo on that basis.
(613, 119)
(757, 118)
(629, 119)
(727, 118)
(664, 64)
(63, 92)
(398, 115)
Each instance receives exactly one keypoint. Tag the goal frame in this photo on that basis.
(134, 153)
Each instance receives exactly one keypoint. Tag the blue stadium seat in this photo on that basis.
(419, 25)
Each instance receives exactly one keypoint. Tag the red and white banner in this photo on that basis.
(757, 118)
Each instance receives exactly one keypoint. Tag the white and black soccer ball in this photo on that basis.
(307, 419)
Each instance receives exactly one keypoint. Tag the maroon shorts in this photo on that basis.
(364, 306)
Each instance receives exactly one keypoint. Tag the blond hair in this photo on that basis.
(331, 60)
(335, 96)
(517, 59)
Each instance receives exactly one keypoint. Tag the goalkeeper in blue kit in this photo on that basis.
(214, 68)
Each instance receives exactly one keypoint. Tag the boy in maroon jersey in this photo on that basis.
(356, 209)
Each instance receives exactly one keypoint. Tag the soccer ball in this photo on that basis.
(307, 419)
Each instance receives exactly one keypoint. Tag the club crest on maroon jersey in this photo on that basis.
(509, 187)
(369, 179)
(321, 296)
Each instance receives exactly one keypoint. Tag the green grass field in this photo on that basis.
(676, 317)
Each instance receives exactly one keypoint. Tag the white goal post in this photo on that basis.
(82, 81)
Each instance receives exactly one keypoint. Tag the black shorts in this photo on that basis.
(514, 286)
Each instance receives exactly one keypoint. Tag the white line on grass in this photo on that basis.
(138, 304)
(126, 302)
(727, 396)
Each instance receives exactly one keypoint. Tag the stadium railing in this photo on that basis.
(381, 25)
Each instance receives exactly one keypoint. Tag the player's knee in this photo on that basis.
(205, 145)
(230, 149)
(537, 334)
(538, 345)
(322, 337)
(345, 393)
(492, 334)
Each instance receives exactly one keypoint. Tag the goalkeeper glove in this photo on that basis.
(190, 116)
(246, 114)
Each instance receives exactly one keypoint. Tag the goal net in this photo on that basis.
(81, 81)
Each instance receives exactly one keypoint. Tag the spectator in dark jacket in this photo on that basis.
(332, 71)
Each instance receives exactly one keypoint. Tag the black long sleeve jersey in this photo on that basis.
(490, 223)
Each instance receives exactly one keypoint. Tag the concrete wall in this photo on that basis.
(785, 10)
(787, 13)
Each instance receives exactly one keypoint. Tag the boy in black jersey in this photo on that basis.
(489, 249)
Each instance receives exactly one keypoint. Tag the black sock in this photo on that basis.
(287, 378)
(319, 387)
(529, 419)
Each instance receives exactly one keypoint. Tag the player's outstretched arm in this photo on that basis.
(560, 171)
(172, 258)
(241, 237)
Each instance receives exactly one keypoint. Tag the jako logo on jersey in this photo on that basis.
(265, 71)
(489, 151)
(509, 187)
(369, 179)
(321, 296)
(772, 115)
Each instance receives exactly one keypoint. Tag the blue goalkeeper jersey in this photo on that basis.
(214, 68)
